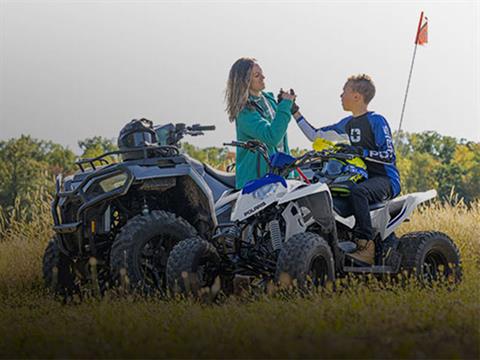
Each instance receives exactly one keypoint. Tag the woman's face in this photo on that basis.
(257, 83)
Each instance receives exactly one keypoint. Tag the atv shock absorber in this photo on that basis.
(275, 234)
(145, 209)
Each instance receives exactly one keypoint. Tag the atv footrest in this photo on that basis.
(369, 269)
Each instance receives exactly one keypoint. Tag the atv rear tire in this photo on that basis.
(304, 258)
(193, 265)
(58, 271)
(139, 254)
(424, 254)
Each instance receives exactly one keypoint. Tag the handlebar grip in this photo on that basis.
(203, 127)
(234, 143)
(344, 156)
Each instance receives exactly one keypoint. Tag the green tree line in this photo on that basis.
(28, 168)
(426, 160)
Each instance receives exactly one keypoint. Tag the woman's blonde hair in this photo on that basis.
(238, 84)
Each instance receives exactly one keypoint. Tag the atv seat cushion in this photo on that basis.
(222, 176)
(342, 206)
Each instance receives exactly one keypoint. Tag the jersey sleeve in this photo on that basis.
(383, 139)
(335, 133)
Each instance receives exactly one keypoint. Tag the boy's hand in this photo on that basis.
(350, 149)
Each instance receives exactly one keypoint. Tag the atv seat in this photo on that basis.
(343, 208)
(225, 178)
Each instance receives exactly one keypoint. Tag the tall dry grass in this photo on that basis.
(366, 320)
(24, 233)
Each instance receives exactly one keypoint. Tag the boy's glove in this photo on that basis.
(350, 149)
(295, 108)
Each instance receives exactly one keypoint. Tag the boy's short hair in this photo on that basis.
(363, 84)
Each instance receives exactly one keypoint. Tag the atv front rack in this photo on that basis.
(169, 149)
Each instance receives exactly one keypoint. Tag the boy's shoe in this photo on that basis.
(365, 251)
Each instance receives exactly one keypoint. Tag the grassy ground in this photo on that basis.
(366, 320)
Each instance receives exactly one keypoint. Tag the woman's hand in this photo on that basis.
(289, 96)
(286, 95)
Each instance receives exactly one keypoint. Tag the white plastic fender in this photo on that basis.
(303, 191)
(381, 219)
(227, 197)
(248, 204)
(411, 202)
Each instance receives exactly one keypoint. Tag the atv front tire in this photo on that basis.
(305, 258)
(193, 265)
(58, 271)
(430, 256)
(139, 254)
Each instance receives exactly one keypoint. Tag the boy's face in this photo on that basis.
(350, 98)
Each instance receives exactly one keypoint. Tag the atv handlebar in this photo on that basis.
(338, 155)
(198, 127)
(253, 146)
(308, 157)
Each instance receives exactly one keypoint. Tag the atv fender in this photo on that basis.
(400, 209)
(303, 191)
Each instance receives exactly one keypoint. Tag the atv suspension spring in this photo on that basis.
(275, 234)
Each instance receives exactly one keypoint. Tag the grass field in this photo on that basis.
(369, 319)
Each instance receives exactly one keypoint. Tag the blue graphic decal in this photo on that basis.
(253, 185)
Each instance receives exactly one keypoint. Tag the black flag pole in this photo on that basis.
(409, 77)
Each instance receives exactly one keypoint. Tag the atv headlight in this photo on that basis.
(265, 191)
(114, 182)
(106, 183)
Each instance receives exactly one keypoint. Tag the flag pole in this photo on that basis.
(409, 77)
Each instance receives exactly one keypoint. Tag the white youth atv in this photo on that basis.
(290, 229)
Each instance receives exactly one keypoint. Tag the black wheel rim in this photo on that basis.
(318, 272)
(206, 272)
(435, 266)
(153, 260)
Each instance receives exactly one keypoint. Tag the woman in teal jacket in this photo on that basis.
(257, 117)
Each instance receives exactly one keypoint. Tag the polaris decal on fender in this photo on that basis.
(255, 208)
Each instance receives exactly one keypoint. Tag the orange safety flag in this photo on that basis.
(422, 35)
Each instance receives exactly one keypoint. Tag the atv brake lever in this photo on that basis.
(235, 143)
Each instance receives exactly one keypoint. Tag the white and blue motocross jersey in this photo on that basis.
(369, 131)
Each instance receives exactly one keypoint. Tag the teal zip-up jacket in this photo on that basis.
(251, 124)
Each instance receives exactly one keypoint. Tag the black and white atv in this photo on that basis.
(283, 228)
